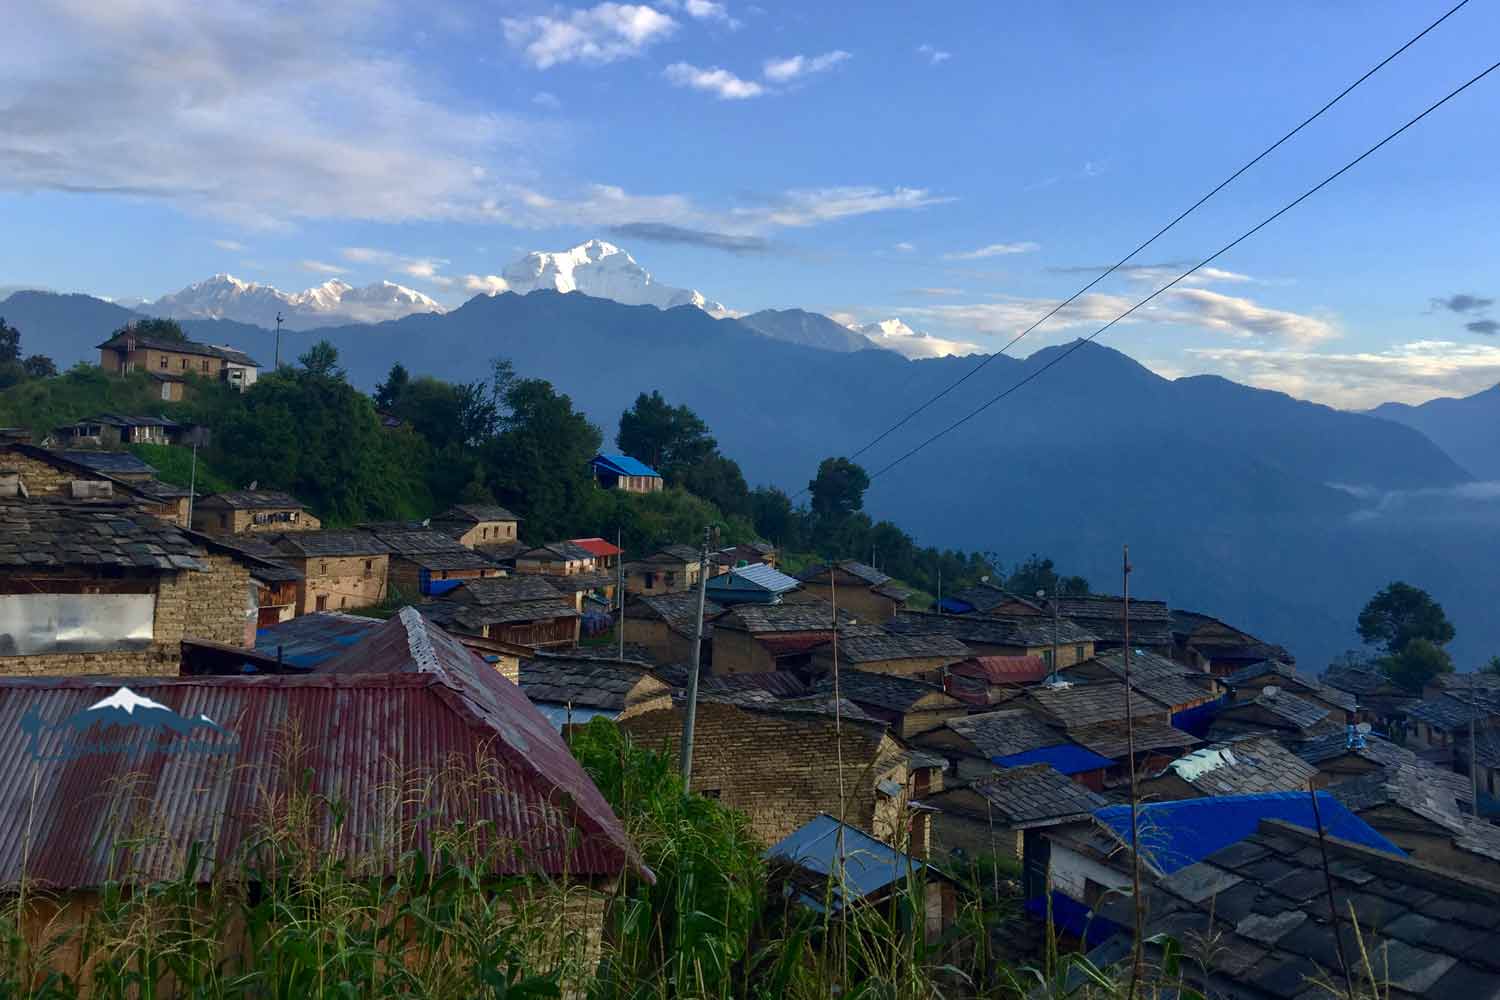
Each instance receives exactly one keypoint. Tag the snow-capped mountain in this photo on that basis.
(604, 271)
(226, 297)
(894, 335)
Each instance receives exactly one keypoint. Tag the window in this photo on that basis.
(323, 567)
(224, 521)
(322, 602)
(649, 579)
(163, 361)
(370, 569)
(1047, 658)
(166, 391)
(710, 793)
(1079, 653)
(184, 364)
(204, 364)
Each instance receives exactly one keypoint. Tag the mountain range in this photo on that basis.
(1278, 515)
(226, 297)
(1467, 428)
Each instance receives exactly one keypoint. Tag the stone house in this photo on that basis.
(127, 352)
(1351, 754)
(668, 570)
(596, 588)
(29, 472)
(621, 472)
(1205, 643)
(1249, 681)
(556, 559)
(1427, 812)
(975, 746)
(275, 581)
(906, 655)
(1443, 723)
(101, 589)
(1237, 767)
(1172, 685)
(1284, 715)
(525, 611)
(475, 524)
(571, 690)
(993, 680)
(1103, 615)
(425, 564)
(114, 430)
(754, 638)
(778, 763)
(993, 635)
(340, 569)
(251, 512)
(908, 706)
(1004, 812)
(863, 591)
(664, 625)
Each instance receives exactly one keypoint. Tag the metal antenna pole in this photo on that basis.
(1138, 945)
(192, 484)
(690, 717)
(1054, 636)
(277, 363)
(620, 590)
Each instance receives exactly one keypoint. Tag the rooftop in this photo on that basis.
(1283, 705)
(1150, 621)
(1008, 731)
(868, 574)
(1112, 739)
(1448, 712)
(506, 590)
(767, 619)
(474, 513)
(1242, 767)
(598, 547)
(823, 845)
(1437, 795)
(679, 610)
(1036, 794)
(586, 682)
(624, 465)
(1163, 680)
(308, 641)
(114, 463)
(988, 630)
(555, 552)
(1376, 749)
(312, 544)
(879, 648)
(1076, 705)
(432, 550)
(887, 691)
(252, 500)
(757, 576)
(39, 535)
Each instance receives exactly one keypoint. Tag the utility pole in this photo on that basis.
(940, 590)
(192, 484)
(1473, 760)
(1138, 945)
(690, 717)
(620, 591)
(277, 363)
(1042, 593)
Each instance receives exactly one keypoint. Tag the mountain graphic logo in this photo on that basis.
(118, 723)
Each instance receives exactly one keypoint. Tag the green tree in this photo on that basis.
(322, 360)
(388, 393)
(1400, 613)
(10, 342)
(38, 366)
(1037, 573)
(839, 489)
(719, 480)
(1418, 662)
(1491, 667)
(774, 519)
(157, 329)
(671, 438)
(539, 462)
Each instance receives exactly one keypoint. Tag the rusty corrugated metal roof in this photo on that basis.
(454, 730)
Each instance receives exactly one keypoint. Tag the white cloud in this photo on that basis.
(1011, 315)
(441, 281)
(546, 99)
(489, 284)
(938, 291)
(320, 267)
(934, 55)
(1242, 317)
(231, 245)
(994, 250)
(1410, 372)
(795, 67)
(809, 207)
(599, 34)
(719, 82)
(895, 335)
(905, 247)
(707, 10)
(415, 267)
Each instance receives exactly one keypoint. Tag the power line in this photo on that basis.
(1160, 232)
(1201, 264)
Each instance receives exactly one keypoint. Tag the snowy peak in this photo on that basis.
(603, 271)
(894, 335)
(226, 297)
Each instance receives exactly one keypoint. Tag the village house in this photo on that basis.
(1207, 644)
(114, 430)
(523, 610)
(425, 564)
(275, 581)
(778, 763)
(1381, 702)
(621, 472)
(1428, 812)
(1092, 715)
(107, 589)
(340, 569)
(1166, 682)
(592, 593)
(571, 690)
(248, 512)
(986, 598)
(991, 680)
(990, 635)
(555, 559)
(476, 524)
(756, 583)
(1002, 814)
(172, 359)
(304, 644)
(1238, 767)
(975, 746)
(1351, 754)
(1282, 714)
(1248, 681)
(667, 570)
(606, 554)
(119, 465)
(747, 554)
(1426, 932)
(754, 638)
(139, 479)
(1102, 615)
(29, 472)
(908, 706)
(665, 625)
(863, 591)
(878, 652)
(1442, 723)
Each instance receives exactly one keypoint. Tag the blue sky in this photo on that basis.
(959, 166)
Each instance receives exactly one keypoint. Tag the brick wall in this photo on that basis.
(781, 770)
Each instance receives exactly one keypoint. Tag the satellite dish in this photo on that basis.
(254, 484)
(1363, 729)
(984, 579)
(1270, 690)
(1040, 594)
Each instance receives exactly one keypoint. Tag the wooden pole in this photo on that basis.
(690, 717)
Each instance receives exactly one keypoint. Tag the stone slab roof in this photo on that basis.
(875, 648)
(1163, 680)
(474, 513)
(1077, 705)
(1150, 621)
(253, 500)
(1037, 794)
(1375, 749)
(96, 536)
(1112, 738)
(311, 544)
(587, 682)
(990, 630)
(1243, 767)
(767, 619)
(1005, 732)
(507, 589)
(888, 691)
(679, 611)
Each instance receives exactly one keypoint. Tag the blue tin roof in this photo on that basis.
(755, 577)
(869, 865)
(624, 465)
(308, 640)
(1067, 758)
(1177, 834)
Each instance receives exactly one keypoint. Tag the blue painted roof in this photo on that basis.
(756, 576)
(1177, 834)
(308, 640)
(624, 465)
(869, 865)
(1067, 758)
(953, 605)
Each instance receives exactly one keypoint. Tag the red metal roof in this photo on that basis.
(598, 546)
(800, 642)
(406, 752)
(1003, 669)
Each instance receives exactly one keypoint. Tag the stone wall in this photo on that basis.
(40, 478)
(344, 582)
(860, 601)
(737, 652)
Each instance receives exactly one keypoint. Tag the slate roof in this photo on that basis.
(989, 630)
(556, 551)
(474, 513)
(575, 583)
(508, 589)
(123, 420)
(1374, 748)
(679, 611)
(1037, 794)
(1085, 704)
(1163, 680)
(474, 617)
(1242, 767)
(56, 535)
(1008, 731)
(1264, 668)
(777, 683)
(1433, 793)
(678, 553)
(432, 550)
(311, 544)
(252, 500)
(769, 619)
(1112, 739)
(1429, 933)
(585, 682)
(888, 691)
(114, 463)
(1285, 706)
(869, 574)
(1447, 712)
(1286, 676)
(878, 648)
(984, 597)
(181, 347)
(266, 560)
(1356, 680)
(1150, 621)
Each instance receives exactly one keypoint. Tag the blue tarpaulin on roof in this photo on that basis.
(1196, 721)
(308, 640)
(954, 606)
(1066, 758)
(439, 587)
(1073, 918)
(1177, 834)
